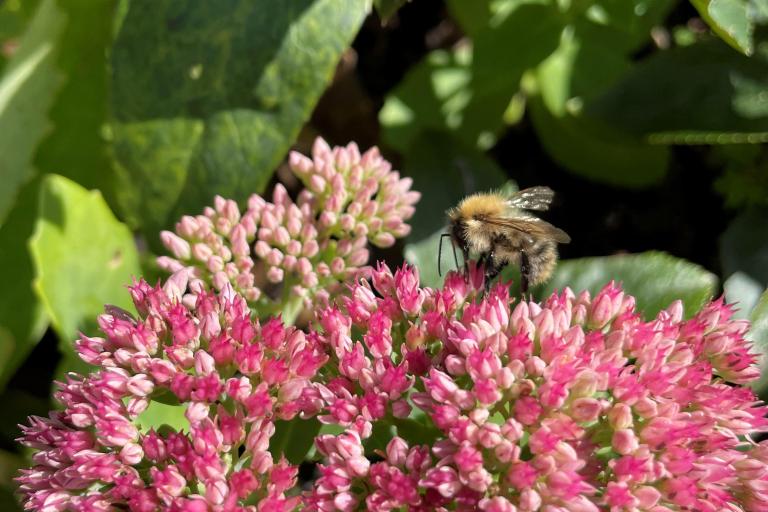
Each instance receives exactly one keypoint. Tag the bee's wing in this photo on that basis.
(534, 198)
(532, 226)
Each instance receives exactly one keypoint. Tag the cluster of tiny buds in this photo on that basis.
(284, 249)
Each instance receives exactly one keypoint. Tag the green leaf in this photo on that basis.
(432, 96)
(27, 90)
(502, 53)
(597, 151)
(293, 439)
(581, 67)
(22, 317)
(654, 279)
(758, 335)
(83, 258)
(220, 90)
(703, 93)
(624, 26)
(388, 8)
(731, 20)
(75, 147)
(423, 255)
(159, 414)
(744, 257)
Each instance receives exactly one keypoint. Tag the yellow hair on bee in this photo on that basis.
(480, 205)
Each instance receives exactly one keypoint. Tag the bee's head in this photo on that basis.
(459, 233)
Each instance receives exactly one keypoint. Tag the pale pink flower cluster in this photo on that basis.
(285, 249)
(574, 404)
(233, 377)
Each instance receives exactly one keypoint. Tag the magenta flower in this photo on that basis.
(575, 404)
(289, 253)
(233, 375)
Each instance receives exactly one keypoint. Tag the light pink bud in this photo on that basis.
(358, 258)
(274, 258)
(204, 363)
(201, 252)
(293, 248)
(140, 385)
(327, 219)
(131, 454)
(337, 265)
(262, 249)
(620, 416)
(316, 184)
(585, 410)
(299, 163)
(310, 248)
(309, 280)
(187, 227)
(383, 239)
(624, 441)
(275, 274)
(197, 412)
(346, 221)
(647, 496)
(397, 452)
(281, 236)
(646, 408)
(177, 245)
(530, 501)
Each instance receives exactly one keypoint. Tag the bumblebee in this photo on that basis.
(501, 231)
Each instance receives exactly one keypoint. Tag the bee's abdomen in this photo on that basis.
(542, 258)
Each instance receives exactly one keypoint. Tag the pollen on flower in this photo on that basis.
(275, 251)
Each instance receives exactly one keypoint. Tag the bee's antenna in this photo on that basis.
(440, 253)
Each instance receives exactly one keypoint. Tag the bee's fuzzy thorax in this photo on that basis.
(481, 205)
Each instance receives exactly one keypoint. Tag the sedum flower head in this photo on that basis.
(278, 251)
(233, 377)
(573, 404)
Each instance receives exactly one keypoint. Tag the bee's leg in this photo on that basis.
(492, 269)
(525, 272)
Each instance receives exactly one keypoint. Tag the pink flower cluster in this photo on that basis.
(280, 250)
(575, 404)
(234, 378)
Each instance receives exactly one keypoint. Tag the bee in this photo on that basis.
(502, 231)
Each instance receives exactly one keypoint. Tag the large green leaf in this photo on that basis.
(731, 20)
(502, 53)
(218, 89)
(27, 90)
(596, 150)
(76, 148)
(744, 256)
(703, 93)
(654, 279)
(22, 317)
(624, 26)
(294, 439)
(432, 96)
(758, 335)
(83, 258)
